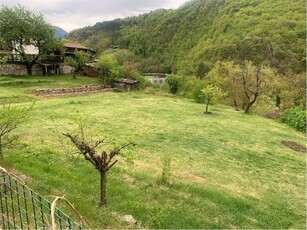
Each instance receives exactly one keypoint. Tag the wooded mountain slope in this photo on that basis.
(263, 31)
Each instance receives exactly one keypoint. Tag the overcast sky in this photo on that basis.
(72, 14)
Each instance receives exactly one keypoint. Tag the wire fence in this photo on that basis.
(21, 208)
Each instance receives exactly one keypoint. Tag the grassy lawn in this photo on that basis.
(228, 169)
(18, 89)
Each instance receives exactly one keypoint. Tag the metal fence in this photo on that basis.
(21, 208)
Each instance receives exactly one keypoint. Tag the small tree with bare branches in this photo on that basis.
(103, 162)
(254, 82)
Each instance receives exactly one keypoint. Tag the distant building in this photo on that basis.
(126, 84)
(71, 47)
(157, 78)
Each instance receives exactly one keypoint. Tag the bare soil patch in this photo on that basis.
(273, 115)
(294, 146)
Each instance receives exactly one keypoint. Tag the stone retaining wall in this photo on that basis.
(75, 90)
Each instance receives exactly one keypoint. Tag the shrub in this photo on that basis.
(264, 105)
(296, 118)
(198, 94)
(189, 85)
(174, 82)
(135, 75)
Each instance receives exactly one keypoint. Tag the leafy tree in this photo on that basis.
(202, 70)
(188, 86)
(198, 94)
(226, 75)
(109, 69)
(19, 28)
(77, 62)
(209, 95)
(10, 119)
(291, 88)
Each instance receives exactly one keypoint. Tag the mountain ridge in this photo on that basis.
(60, 33)
(265, 32)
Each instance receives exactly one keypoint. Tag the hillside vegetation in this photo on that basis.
(263, 31)
(227, 170)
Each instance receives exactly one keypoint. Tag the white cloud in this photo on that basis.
(72, 14)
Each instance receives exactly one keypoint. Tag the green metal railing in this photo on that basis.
(21, 208)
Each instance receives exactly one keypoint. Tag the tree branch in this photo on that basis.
(85, 150)
(111, 165)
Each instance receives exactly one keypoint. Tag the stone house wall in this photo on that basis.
(19, 69)
(65, 69)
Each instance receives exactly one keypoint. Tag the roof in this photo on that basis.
(154, 74)
(127, 81)
(76, 46)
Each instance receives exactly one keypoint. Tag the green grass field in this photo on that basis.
(228, 169)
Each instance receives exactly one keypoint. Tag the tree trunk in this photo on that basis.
(207, 105)
(235, 104)
(74, 75)
(29, 69)
(103, 187)
(249, 104)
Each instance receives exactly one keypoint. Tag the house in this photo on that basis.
(50, 64)
(12, 56)
(71, 47)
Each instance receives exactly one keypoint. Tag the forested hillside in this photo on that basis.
(263, 31)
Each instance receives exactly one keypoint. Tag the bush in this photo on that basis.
(135, 75)
(190, 85)
(198, 94)
(174, 82)
(296, 118)
(264, 105)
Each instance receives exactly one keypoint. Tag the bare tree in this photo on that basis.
(102, 162)
(253, 78)
(251, 93)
